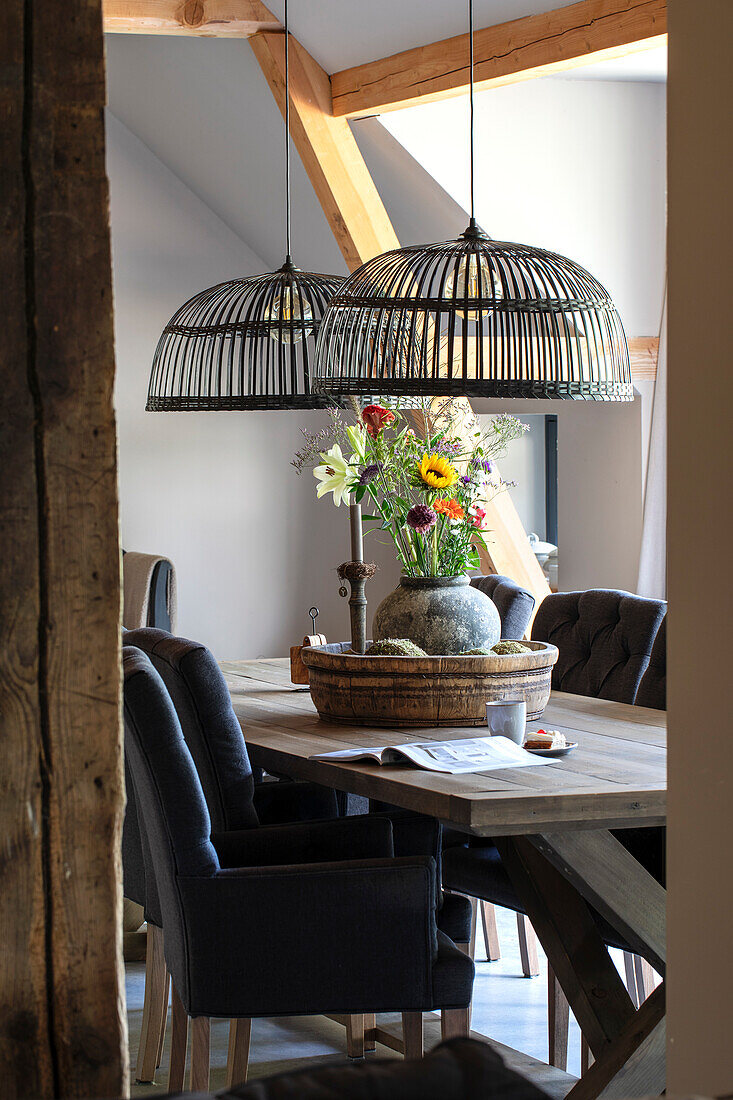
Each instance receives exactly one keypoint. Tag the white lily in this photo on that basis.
(334, 475)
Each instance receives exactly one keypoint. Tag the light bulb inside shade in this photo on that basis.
(289, 314)
(473, 278)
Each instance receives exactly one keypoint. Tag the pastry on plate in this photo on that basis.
(546, 739)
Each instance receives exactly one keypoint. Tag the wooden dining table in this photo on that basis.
(554, 827)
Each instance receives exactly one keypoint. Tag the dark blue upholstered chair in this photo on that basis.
(213, 734)
(235, 802)
(605, 640)
(514, 603)
(339, 899)
(214, 737)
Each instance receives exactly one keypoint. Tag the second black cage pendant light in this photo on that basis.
(473, 317)
(247, 343)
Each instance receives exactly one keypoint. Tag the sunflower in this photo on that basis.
(436, 471)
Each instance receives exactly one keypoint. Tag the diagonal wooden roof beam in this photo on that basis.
(537, 45)
(328, 150)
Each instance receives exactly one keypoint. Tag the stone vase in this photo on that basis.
(443, 615)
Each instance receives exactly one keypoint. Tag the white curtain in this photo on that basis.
(653, 558)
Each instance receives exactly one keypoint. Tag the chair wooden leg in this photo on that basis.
(200, 1053)
(645, 980)
(491, 932)
(355, 1035)
(474, 916)
(179, 1042)
(527, 947)
(455, 1022)
(558, 1020)
(470, 947)
(240, 1032)
(412, 1034)
(370, 1023)
(154, 1008)
(166, 999)
(630, 974)
(586, 1058)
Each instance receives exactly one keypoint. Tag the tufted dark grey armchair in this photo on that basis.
(514, 603)
(605, 639)
(653, 687)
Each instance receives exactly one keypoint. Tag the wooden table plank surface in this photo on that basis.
(615, 778)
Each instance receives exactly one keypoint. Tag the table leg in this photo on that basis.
(634, 1065)
(615, 883)
(553, 878)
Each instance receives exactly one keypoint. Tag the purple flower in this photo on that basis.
(445, 447)
(484, 464)
(466, 480)
(370, 472)
(421, 518)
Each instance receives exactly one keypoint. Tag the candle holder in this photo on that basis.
(357, 573)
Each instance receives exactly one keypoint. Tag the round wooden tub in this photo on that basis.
(424, 691)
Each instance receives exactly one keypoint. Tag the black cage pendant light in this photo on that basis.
(247, 343)
(473, 317)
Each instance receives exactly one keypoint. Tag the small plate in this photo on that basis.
(562, 751)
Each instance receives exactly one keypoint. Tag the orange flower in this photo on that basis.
(449, 508)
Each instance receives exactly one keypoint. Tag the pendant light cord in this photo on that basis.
(288, 258)
(470, 67)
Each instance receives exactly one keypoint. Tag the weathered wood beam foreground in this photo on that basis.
(62, 1027)
(536, 45)
(205, 18)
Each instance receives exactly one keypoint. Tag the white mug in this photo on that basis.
(507, 718)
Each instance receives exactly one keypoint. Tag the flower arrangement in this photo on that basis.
(428, 488)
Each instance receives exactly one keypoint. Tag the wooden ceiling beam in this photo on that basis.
(536, 45)
(204, 18)
(643, 352)
(328, 150)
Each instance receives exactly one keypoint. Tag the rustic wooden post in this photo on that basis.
(62, 1030)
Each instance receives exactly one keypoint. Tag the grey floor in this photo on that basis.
(508, 1007)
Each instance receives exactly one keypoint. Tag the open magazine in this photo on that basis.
(472, 754)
